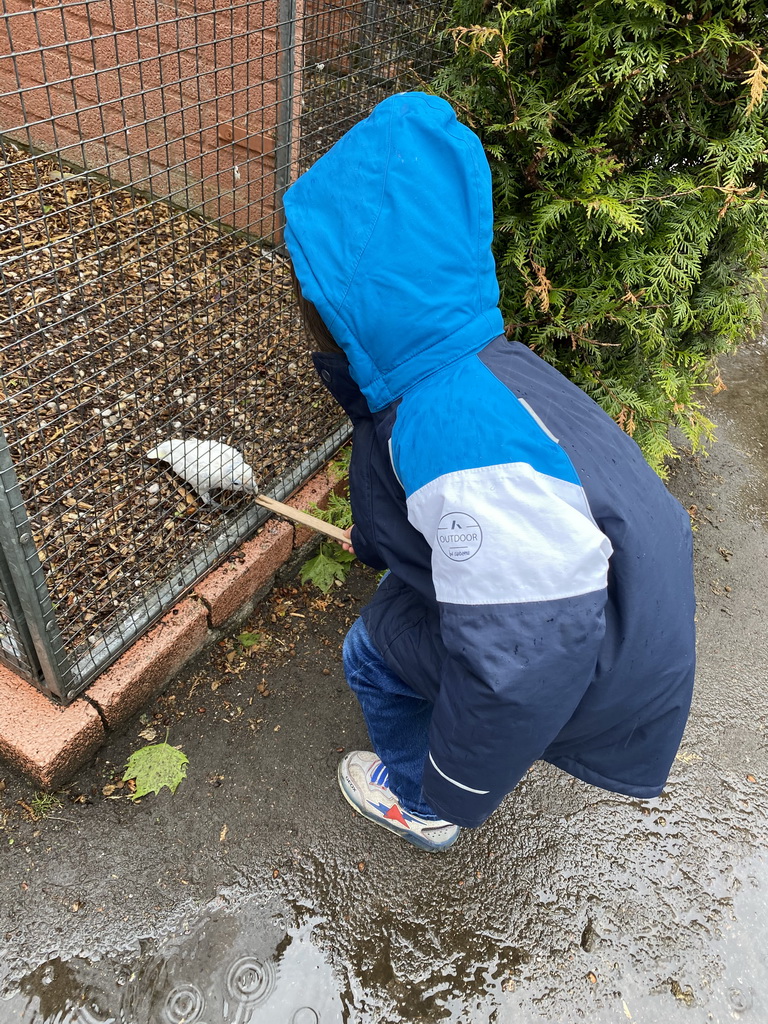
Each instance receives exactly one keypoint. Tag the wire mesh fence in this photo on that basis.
(145, 296)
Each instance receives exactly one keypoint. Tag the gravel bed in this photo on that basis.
(124, 322)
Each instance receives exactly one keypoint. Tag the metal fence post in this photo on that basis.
(284, 129)
(29, 590)
(16, 647)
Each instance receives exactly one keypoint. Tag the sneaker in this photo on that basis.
(363, 780)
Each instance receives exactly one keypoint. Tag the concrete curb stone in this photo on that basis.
(149, 663)
(251, 567)
(42, 741)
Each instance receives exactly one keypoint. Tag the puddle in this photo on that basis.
(609, 910)
(229, 968)
(649, 912)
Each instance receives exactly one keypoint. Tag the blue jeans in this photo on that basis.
(396, 716)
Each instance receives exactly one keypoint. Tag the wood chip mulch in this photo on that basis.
(124, 322)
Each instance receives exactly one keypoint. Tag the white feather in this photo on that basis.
(207, 465)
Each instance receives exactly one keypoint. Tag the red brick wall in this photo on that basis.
(177, 99)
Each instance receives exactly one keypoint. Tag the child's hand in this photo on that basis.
(348, 545)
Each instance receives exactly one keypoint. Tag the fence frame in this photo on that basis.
(60, 669)
(40, 632)
(286, 71)
(24, 660)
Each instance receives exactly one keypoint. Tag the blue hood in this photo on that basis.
(390, 236)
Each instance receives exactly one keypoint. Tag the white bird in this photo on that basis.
(207, 466)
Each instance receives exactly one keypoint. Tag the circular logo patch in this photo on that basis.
(459, 536)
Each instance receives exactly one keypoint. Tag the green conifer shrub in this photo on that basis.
(628, 143)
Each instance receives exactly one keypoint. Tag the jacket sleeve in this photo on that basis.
(520, 572)
(365, 551)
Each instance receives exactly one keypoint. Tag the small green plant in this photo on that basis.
(339, 468)
(42, 805)
(332, 562)
(338, 511)
(248, 640)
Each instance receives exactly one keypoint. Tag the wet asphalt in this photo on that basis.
(254, 894)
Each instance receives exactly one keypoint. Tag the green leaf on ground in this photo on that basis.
(332, 563)
(155, 766)
(250, 639)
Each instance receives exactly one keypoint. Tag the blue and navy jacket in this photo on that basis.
(540, 590)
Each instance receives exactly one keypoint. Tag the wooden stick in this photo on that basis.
(304, 518)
